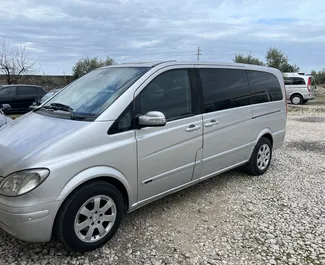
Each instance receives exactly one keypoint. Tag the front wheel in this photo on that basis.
(261, 158)
(90, 216)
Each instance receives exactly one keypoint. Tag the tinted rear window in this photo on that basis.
(224, 88)
(294, 81)
(264, 87)
(26, 91)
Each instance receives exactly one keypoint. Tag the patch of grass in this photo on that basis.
(309, 260)
(14, 116)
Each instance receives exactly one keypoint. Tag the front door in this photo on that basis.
(167, 155)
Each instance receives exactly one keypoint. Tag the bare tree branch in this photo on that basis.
(15, 60)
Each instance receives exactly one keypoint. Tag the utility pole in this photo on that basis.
(198, 53)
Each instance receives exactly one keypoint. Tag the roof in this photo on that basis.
(301, 75)
(175, 62)
(138, 64)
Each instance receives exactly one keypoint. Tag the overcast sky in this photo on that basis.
(61, 32)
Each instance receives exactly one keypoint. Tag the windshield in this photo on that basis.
(96, 91)
(47, 96)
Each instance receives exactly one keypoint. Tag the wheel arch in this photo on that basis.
(110, 175)
(267, 133)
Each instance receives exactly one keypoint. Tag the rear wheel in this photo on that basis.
(90, 216)
(296, 99)
(304, 101)
(261, 158)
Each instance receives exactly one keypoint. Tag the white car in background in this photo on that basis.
(300, 87)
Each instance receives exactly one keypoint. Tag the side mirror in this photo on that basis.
(152, 119)
(5, 106)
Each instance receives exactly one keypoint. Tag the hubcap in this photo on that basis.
(296, 100)
(95, 218)
(263, 157)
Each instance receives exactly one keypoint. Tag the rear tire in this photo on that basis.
(261, 158)
(304, 101)
(90, 216)
(296, 99)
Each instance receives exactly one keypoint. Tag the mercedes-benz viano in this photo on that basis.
(125, 135)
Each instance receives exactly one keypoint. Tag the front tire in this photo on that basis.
(261, 158)
(90, 216)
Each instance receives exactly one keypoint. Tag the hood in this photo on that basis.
(31, 133)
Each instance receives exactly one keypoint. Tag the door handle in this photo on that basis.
(212, 123)
(192, 128)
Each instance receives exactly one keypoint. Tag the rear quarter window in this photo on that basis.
(294, 81)
(40, 90)
(264, 87)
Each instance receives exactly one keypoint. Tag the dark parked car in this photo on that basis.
(3, 118)
(20, 97)
(45, 98)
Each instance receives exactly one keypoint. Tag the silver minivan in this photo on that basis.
(300, 87)
(125, 135)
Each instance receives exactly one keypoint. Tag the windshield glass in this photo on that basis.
(96, 91)
(47, 96)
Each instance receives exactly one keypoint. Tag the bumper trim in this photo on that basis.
(24, 217)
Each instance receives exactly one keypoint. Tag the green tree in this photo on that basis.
(85, 65)
(275, 58)
(319, 76)
(247, 59)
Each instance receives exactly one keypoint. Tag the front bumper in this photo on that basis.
(32, 224)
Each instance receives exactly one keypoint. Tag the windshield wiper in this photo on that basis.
(62, 107)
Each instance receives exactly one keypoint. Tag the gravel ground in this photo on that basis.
(278, 218)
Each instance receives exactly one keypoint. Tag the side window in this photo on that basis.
(8, 91)
(294, 81)
(26, 91)
(39, 90)
(264, 87)
(299, 81)
(288, 81)
(224, 89)
(124, 122)
(170, 93)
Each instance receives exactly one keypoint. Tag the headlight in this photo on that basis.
(21, 182)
